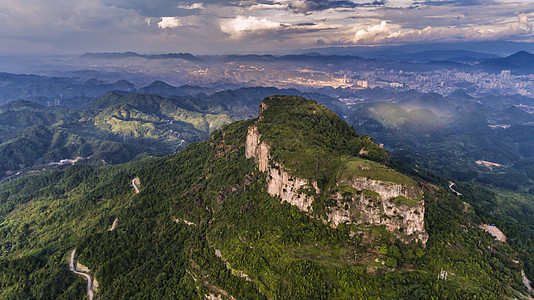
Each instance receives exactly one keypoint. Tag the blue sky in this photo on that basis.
(211, 26)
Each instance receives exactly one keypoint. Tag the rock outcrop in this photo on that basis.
(279, 183)
(399, 208)
(372, 202)
(363, 193)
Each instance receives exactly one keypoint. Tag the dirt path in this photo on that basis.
(451, 184)
(134, 182)
(90, 293)
(114, 224)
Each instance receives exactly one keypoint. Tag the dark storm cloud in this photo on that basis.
(319, 5)
(155, 8)
(158, 8)
(454, 2)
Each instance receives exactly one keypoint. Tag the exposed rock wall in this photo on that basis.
(279, 183)
(379, 207)
(383, 209)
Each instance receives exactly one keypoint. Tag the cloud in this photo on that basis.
(240, 25)
(205, 25)
(192, 6)
(382, 33)
(169, 22)
(263, 6)
(454, 2)
(524, 24)
(309, 6)
(373, 33)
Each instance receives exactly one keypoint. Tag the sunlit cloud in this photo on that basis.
(169, 22)
(381, 33)
(263, 6)
(240, 25)
(374, 33)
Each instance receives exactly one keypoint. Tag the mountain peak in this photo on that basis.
(159, 84)
(318, 163)
(521, 54)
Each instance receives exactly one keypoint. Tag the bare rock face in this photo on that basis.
(372, 202)
(398, 207)
(279, 183)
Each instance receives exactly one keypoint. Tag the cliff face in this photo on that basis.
(368, 202)
(279, 182)
(399, 208)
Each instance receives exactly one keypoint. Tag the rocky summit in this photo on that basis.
(353, 198)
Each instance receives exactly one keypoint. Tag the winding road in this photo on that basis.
(90, 293)
(134, 186)
(451, 184)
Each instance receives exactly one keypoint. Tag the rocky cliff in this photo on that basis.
(359, 200)
(279, 183)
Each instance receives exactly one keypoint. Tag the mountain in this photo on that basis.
(519, 63)
(163, 89)
(112, 129)
(39, 146)
(55, 91)
(491, 47)
(129, 54)
(291, 204)
(452, 55)
(109, 55)
(133, 123)
(461, 56)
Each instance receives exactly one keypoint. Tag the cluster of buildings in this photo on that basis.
(444, 81)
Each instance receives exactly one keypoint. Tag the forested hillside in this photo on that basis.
(204, 223)
(118, 127)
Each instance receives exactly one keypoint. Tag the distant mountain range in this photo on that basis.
(120, 125)
(118, 55)
(74, 93)
(499, 48)
(521, 62)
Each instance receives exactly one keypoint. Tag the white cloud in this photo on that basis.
(238, 26)
(524, 24)
(382, 32)
(263, 6)
(374, 33)
(169, 22)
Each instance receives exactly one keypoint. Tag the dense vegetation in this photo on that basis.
(487, 140)
(119, 126)
(203, 224)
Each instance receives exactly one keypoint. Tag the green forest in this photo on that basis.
(203, 224)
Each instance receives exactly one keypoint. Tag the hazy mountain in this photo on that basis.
(521, 62)
(119, 55)
(55, 91)
(163, 89)
(500, 48)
